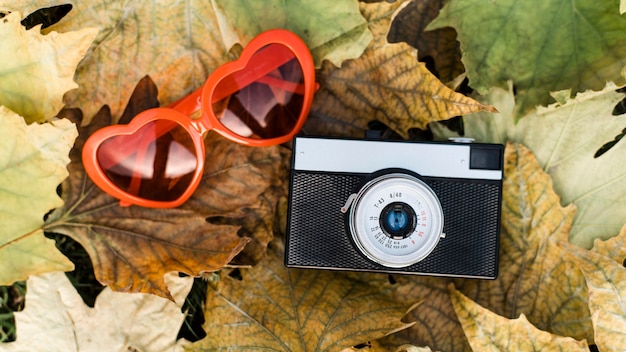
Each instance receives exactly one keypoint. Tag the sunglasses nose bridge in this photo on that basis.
(201, 124)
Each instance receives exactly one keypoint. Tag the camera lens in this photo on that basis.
(397, 220)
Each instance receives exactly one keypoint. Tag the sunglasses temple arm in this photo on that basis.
(188, 104)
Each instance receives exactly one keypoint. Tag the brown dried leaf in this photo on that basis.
(132, 248)
(386, 83)
(272, 307)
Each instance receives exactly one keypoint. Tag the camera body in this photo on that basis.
(430, 208)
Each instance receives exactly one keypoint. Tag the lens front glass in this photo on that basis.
(398, 220)
(157, 162)
(265, 99)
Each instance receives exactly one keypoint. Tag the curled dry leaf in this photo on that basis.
(132, 248)
(272, 307)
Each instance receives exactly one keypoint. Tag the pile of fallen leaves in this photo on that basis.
(542, 77)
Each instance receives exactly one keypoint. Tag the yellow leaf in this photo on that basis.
(487, 331)
(614, 247)
(37, 70)
(533, 278)
(386, 83)
(606, 281)
(33, 161)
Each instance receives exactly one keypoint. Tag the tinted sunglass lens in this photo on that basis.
(265, 99)
(156, 163)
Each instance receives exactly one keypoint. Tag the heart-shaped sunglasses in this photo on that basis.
(157, 160)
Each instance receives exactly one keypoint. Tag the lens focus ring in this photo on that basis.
(396, 220)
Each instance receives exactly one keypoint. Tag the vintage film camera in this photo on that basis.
(430, 208)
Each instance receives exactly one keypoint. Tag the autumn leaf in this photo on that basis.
(542, 46)
(487, 331)
(272, 307)
(606, 281)
(132, 248)
(440, 45)
(614, 247)
(336, 35)
(32, 164)
(178, 44)
(533, 279)
(386, 83)
(56, 319)
(436, 324)
(40, 68)
(564, 137)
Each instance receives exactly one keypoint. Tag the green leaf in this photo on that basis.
(57, 319)
(32, 165)
(542, 46)
(38, 69)
(564, 137)
(487, 331)
(275, 308)
(336, 35)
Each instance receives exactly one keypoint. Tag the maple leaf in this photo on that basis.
(533, 278)
(40, 68)
(177, 44)
(32, 164)
(565, 137)
(132, 248)
(273, 307)
(386, 83)
(56, 319)
(487, 331)
(542, 46)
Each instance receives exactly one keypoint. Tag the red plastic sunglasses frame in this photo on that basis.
(179, 112)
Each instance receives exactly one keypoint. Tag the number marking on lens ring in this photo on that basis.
(388, 241)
